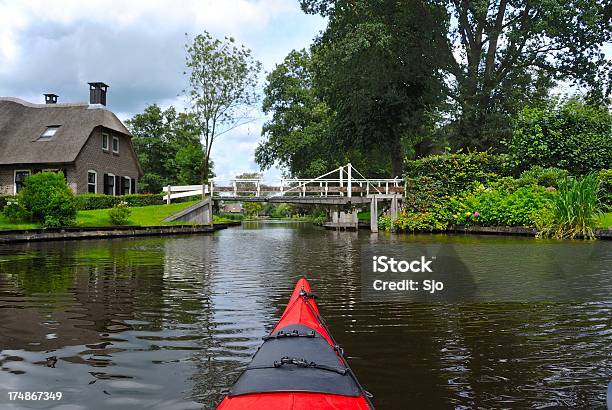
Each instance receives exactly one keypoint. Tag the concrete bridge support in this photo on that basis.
(374, 214)
(200, 213)
(342, 220)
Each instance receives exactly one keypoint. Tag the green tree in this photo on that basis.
(168, 147)
(222, 87)
(252, 209)
(297, 136)
(570, 134)
(500, 55)
(376, 70)
(511, 54)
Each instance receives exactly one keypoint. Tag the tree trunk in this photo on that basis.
(397, 156)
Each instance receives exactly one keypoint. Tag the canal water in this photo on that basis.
(169, 323)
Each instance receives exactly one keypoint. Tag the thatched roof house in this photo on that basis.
(86, 141)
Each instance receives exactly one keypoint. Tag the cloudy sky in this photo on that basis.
(137, 47)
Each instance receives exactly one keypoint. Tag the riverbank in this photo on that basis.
(142, 216)
(59, 234)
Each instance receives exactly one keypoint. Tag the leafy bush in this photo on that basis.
(384, 223)
(545, 177)
(120, 213)
(14, 210)
(605, 186)
(569, 134)
(233, 217)
(495, 207)
(575, 210)
(47, 199)
(4, 199)
(434, 178)
(99, 201)
(281, 211)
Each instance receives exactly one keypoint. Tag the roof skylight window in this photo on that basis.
(49, 132)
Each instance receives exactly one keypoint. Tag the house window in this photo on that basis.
(105, 142)
(92, 182)
(20, 176)
(109, 184)
(116, 145)
(48, 133)
(127, 185)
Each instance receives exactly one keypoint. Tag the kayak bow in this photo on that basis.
(299, 366)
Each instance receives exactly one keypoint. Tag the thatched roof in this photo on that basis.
(22, 123)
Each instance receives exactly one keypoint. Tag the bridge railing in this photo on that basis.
(325, 185)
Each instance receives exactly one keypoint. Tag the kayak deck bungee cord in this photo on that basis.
(299, 366)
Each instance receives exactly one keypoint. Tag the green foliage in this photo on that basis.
(222, 87)
(281, 211)
(47, 199)
(496, 207)
(434, 178)
(100, 201)
(415, 221)
(570, 134)
(168, 147)
(297, 137)
(374, 68)
(605, 185)
(495, 56)
(252, 209)
(575, 210)
(547, 177)
(120, 213)
(14, 210)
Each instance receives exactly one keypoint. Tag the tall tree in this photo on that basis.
(500, 54)
(512, 51)
(168, 147)
(376, 71)
(222, 87)
(297, 136)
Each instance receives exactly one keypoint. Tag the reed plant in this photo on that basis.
(574, 211)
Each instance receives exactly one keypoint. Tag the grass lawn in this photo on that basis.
(141, 216)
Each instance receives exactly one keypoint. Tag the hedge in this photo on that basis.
(99, 201)
(431, 179)
(571, 135)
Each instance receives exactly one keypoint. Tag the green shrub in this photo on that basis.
(231, 216)
(575, 210)
(432, 179)
(4, 199)
(498, 207)
(545, 177)
(48, 199)
(384, 223)
(14, 210)
(570, 134)
(605, 187)
(99, 201)
(120, 213)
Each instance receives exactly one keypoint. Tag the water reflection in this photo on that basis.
(169, 323)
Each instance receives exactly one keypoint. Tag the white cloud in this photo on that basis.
(137, 47)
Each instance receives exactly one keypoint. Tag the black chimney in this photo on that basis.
(97, 93)
(50, 98)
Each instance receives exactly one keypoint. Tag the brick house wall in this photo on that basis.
(91, 158)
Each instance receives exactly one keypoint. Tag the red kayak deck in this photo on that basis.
(301, 312)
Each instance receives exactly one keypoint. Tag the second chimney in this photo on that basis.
(97, 93)
(50, 98)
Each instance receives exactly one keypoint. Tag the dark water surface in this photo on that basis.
(168, 323)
